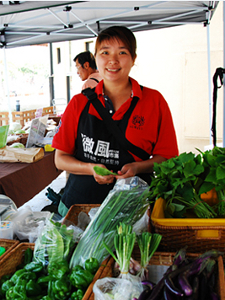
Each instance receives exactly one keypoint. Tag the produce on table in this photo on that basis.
(55, 243)
(17, 145)
(181, 180)
(124, 241)
(121, 205)
(187, 278)
(148, 244)
(34, 281)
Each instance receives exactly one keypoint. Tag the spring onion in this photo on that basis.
(148, 244)
(127, 206)
(124, 243)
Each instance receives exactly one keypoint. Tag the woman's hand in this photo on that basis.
(128, 170)
(106, 179)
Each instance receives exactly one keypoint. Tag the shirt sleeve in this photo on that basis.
(66, 134)
(166, 144)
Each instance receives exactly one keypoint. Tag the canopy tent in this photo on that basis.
(37, 22)
(25, 23)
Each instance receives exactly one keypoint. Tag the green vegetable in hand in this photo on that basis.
(103, 171)
(80, 278)
(92, 265)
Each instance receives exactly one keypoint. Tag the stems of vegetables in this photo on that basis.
(148, 244)
(126, 206)
(124, 243)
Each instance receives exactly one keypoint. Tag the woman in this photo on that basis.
(84, 141)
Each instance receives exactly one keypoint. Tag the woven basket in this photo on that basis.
(8, 245)
(73, 212)
(14, 258)
(198, 234)
(165, 259)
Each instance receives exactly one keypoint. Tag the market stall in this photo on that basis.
(22, 181)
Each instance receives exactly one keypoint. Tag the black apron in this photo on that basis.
(92, 145)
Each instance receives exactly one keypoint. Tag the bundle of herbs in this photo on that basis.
(214, 166)
(180, 181)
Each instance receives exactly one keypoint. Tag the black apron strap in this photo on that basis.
(94, 79)
(92, 97)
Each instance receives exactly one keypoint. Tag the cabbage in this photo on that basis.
(20, 131)
(14, 126)
(17, 145)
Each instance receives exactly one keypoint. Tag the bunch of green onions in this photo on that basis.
(124, 241)
(148, 244)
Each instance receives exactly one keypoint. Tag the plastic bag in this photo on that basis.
(28, 224)
(115, 288)
(3, 135)
(56, 242)
(127, 202)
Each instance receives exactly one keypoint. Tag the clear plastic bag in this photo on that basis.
(56, 241)
(116, 288)
(127, 202)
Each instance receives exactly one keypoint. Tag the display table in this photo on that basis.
(22, 181)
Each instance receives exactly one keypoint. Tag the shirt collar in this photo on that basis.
(136, 89)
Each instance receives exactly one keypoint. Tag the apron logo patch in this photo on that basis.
(88, 143)
(138, 122)
(102, 154)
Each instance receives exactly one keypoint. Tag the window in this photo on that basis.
(58, 55)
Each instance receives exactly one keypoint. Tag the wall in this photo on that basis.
(173, 61)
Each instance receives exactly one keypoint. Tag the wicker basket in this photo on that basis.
(8, 245)
(198, 234)
(73, 212)
(161, 261)
(75, 209)
(14, 258)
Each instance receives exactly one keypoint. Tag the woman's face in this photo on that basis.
(114, 61)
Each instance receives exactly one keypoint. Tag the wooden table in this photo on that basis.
(22, 181)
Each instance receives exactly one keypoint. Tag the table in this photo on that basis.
(22, 181)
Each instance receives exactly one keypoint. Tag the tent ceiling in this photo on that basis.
(37, 22)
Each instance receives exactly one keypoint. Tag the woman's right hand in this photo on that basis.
(106, 179)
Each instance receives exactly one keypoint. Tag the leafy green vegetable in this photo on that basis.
(126, 206)
(103, 171)
(54, 244)
(179, 181)
(148, 244)
(124, 243)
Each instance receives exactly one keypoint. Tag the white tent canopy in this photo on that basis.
(25, 23)
(37, 22)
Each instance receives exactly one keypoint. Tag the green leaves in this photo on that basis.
(181, 180)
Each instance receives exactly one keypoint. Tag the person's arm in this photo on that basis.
(137, 167)
(69, 163)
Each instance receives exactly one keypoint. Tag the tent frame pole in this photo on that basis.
(209, 82)
(223, 74)
(7, 84)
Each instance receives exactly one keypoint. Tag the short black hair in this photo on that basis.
(84, 57)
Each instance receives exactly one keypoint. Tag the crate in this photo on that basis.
(196, 233)
(14, 258)
(73, 212)
(4, 118)
(8, 245)
(158, 265)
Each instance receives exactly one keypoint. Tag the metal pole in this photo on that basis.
(209, 83)
(224, 74)
(7, 85)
